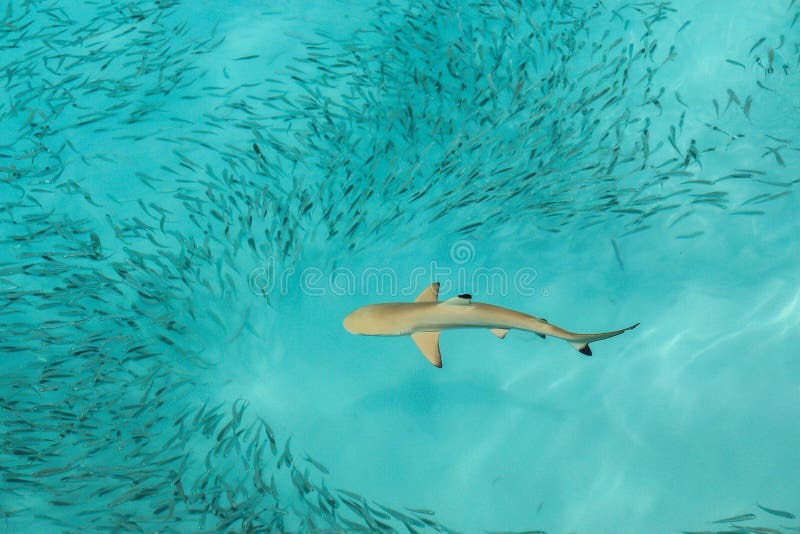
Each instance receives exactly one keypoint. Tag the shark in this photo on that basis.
(426, 317)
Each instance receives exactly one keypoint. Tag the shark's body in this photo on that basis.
(424, 318)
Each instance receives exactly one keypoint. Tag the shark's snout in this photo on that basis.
(349, 323)
(365, 321)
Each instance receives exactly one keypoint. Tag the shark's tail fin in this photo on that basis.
(581, 341)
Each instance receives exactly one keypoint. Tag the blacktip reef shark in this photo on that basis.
(426, 317)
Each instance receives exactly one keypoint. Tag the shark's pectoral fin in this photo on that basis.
(428, 343)
(431, 294)
(541, 335)
(499, 332)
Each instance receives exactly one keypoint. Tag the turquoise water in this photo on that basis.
(196, 194)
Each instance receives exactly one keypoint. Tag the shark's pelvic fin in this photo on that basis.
(431, 293)
(428, 343)
(499, 332)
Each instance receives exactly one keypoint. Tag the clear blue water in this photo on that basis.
(196, 194)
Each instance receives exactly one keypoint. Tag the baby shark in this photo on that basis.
(426, 317)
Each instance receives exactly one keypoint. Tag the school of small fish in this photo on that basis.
(742, 523)
(141, 173)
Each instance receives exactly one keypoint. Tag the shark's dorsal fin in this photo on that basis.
(428, 343)
(499, 332)
(461, 300)
(430, 294)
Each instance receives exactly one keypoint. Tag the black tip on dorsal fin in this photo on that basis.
(465, 296)
(586, 351)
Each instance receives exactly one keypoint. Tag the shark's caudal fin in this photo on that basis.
(581, 341)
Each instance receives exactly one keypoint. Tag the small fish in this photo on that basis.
(779, 513)
(691, 236)
(732, 98)
(777, 154)
(286, 457)
(758, 43)
(736, 518)
(761, 85)
(779, 139)
(747, 212)
(316, 464)
(421, 511)
(779, 184)
(732, 62)
(617, 255)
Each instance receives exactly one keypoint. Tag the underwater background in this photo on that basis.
(195, 194)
